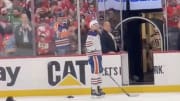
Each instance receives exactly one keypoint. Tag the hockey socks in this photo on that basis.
(96, 83)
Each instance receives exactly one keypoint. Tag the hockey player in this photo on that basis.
(93, 47)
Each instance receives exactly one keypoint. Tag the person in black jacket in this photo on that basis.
(108, 42)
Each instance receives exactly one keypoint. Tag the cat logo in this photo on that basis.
(69, 80)
(67, 76)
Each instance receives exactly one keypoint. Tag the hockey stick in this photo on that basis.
(123, 90)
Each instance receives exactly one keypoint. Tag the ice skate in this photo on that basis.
(95, 93)
(100, 91)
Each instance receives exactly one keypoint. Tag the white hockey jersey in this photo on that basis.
(93, 44)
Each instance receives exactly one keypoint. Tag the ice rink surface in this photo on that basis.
(117, 97)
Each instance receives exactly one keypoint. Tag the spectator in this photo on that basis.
(90, 14)
(16, 21)
(113, 17)
(173, 17)
(27, 8)
(108, 41)
(83, 7)
(44, 38)
(24, 37)
(5, 5)
(84, 31)
(173, 13)
(25, 32)
(92, 11)
(73, 39)
(62, 41)
(9, 41)
(155, 40)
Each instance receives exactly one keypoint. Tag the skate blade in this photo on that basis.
(97, 97)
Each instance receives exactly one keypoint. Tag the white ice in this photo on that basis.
(117, 97)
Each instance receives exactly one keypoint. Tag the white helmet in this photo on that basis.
(92, 23)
